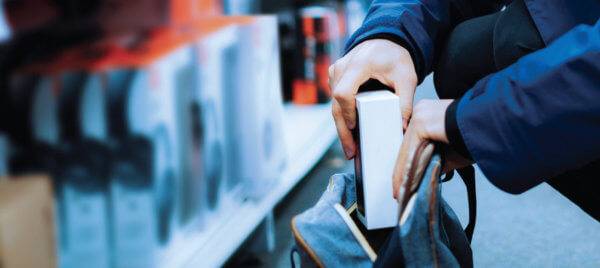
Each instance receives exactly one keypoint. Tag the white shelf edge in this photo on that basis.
(216, 248)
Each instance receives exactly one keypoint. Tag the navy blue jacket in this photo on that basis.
(533, 120)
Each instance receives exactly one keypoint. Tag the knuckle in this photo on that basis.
(417, 118)
(339, 96)
(363, 57)
(338, 64)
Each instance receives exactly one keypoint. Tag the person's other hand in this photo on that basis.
(378, 59)
(428, 122)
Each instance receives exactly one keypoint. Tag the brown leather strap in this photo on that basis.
(418, 164)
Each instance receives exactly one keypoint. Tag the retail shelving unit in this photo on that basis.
(309, 131)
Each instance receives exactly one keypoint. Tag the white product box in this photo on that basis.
(217, 57)
(153, 112)
(134, 215)
(257, 108)
(379, 137)
(84, 197)
(157, 88)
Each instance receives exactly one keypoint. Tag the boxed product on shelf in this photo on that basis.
(117, 14)
(33, 131)
(67, 116)
(288, 39)
(217, 59)
(256, 106)
(84, 205)
(142, 176)
(240, 77)
(131, 179)
(311, 41)
(149, 85)
(27, 237)
(159, 110)
(110, 15)
(139, 166)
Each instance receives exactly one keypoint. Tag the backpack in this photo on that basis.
(428, 232)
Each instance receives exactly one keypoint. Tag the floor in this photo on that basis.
(537, 228)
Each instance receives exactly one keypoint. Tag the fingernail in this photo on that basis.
(349, 124)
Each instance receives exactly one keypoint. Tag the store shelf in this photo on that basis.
(309, 131)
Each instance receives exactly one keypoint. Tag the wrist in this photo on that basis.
(438, 132)
(453, 132)
(429, 119)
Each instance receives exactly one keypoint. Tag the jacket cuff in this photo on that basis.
(453, 132)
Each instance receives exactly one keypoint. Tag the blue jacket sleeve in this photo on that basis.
(419, 26)
(538, 117)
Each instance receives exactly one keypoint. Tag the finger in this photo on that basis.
(405, 89)
(346, 89)
(344, 133)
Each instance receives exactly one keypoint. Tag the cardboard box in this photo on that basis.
(27, 236)
(378, 137)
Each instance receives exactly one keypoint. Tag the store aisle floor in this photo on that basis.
(538, 228)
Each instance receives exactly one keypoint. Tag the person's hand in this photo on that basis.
(428, 122)
(379, 59)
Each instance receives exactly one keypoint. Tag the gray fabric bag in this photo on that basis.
(428, 234)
